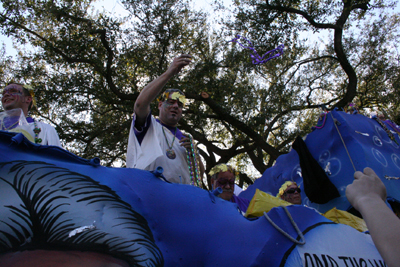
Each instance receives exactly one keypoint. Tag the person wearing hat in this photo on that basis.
(158, 142)
(17, 100)
(290, 192)
(223, 176)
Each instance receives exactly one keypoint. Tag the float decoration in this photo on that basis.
(53, 199)
(257, 59)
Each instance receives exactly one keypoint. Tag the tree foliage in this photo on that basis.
(89, 68)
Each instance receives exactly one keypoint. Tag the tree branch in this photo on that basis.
(304, 15)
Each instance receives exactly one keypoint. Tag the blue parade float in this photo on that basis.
(51, 198)
(324, 163)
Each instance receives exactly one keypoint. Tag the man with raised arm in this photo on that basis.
(158, 142)
(16, 98)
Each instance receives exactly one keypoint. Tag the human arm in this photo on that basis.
(153, 89)
(367, 194)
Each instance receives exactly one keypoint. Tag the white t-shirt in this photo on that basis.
(151, 153)
(47, 133)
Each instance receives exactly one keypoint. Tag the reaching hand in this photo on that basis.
(366, 186)
(367, 194)
(179, 63)
(185, 142)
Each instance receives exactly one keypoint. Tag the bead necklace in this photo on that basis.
(193, 168)
(37, 130)
(389, 133)
(394, 126)
(170, 152)
(320, 126)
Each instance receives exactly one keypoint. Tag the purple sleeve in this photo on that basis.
(140, 131)
(242, 203)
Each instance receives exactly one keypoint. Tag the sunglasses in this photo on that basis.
(293, 190)
(12, 91)
(170, 102)
(223, 182)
